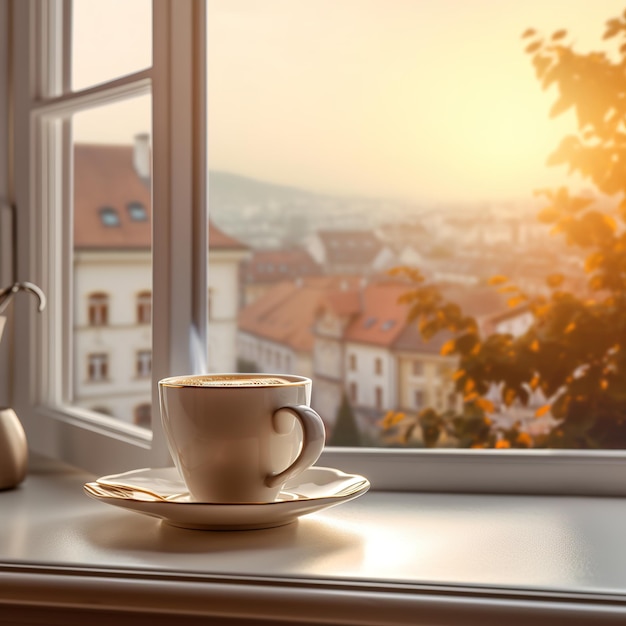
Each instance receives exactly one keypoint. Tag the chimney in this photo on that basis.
(141, 156)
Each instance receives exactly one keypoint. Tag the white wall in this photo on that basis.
(122, 275)
(367, 379)
(223, 308)
(272, 357)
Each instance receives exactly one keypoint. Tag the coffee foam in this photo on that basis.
(230, 381)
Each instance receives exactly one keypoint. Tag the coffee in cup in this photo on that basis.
(238, 438)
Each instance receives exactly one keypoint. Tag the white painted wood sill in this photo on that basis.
(386, 558)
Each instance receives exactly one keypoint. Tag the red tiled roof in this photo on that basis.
(344, 303)
(104, 176)
(284, 314)
(381, 319)
(411, 340)
(270, 266)
(350, 246)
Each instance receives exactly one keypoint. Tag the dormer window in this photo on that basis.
(137, 212)
(109, 216)
(369, 322)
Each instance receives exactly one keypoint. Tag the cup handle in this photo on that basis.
(313, 437)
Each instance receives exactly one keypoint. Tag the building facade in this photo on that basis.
(112, 277)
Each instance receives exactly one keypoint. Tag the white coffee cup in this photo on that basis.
(235, 438)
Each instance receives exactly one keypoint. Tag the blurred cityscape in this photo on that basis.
(299, 283)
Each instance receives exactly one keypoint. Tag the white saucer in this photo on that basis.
(144, 491)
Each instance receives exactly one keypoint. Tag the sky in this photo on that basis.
(422, 99)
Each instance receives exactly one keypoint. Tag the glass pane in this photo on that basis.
(109, 40)
(349, 138)
(112, 267)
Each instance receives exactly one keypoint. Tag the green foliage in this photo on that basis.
(346, 431)
(575, 351)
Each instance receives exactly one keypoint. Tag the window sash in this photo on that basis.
(41, 158)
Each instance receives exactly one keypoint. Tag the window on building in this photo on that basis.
(143, 363)
(97, 367)
(137, 211)
(352, 362)
(379, 397)
(418, 368)
(419, 399)
(452, 401)
(144, 307)
(378, 365)
(439, 404)
(109, 216)
(98, 309)
(369, 322)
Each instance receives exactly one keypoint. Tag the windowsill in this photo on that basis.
(385, 558)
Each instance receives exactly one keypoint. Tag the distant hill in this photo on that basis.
(226, 189)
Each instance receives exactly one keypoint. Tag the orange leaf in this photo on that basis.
(458, 374)
(542, 411)
(448, 347)
(497, 280)
(509, 396)
(555, 280)
(610, 222)
(502, 444)
(534, 346)
(570, 327)
(485, 405)
(516, 301)
(392, 418)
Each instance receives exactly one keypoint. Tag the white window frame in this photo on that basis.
(40, 158)
(179, 305)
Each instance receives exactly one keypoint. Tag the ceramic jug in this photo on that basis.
(13, 450)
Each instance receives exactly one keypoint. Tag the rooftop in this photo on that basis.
(113, 205)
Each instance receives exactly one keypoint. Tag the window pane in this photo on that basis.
(348, 138)
(109, 40)
(112, 267)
